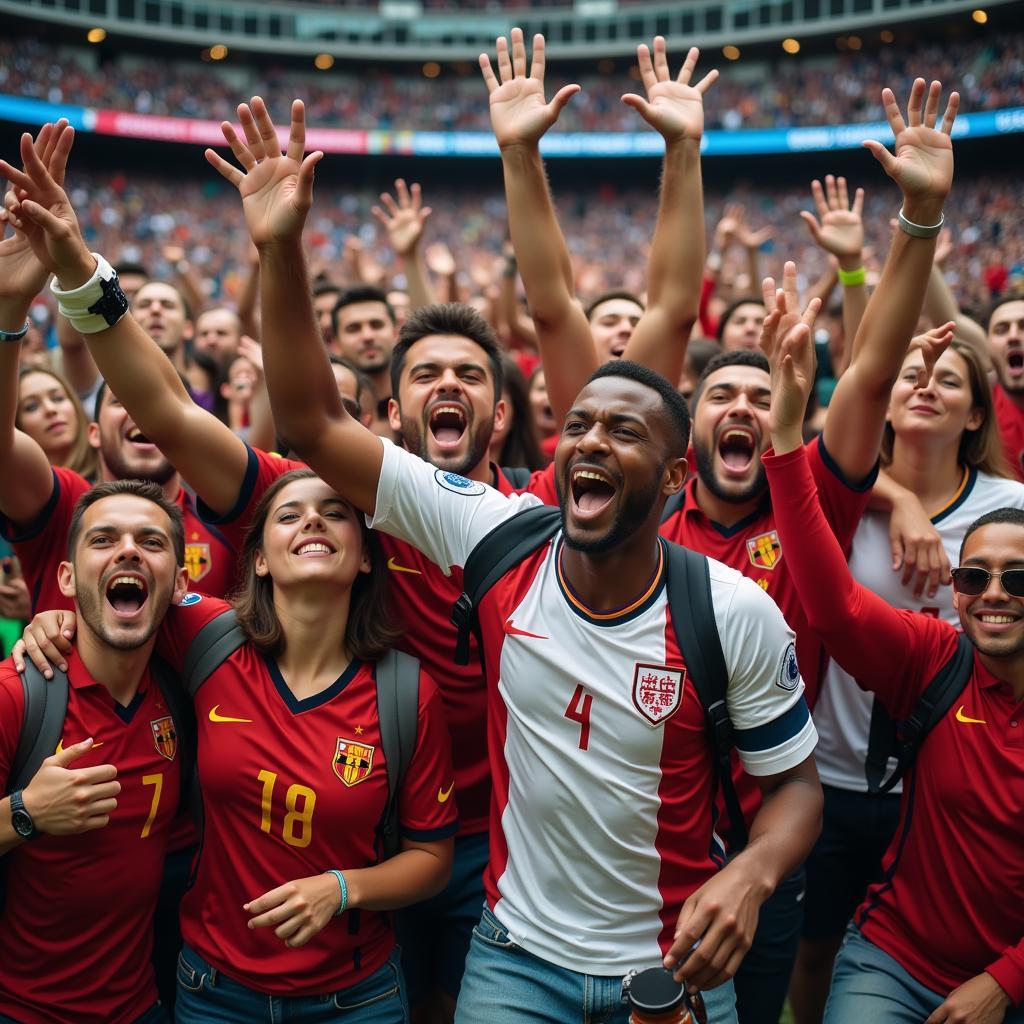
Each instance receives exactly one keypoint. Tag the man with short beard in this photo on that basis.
(1006, 349)
(84, 842)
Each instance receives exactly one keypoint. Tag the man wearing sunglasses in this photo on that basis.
(941, 937)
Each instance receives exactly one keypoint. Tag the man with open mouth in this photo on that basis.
(85, 840)
(1006, 349)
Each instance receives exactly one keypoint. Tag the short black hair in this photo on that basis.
(674, 403)
(325, 286)
(362, 293)
(140, 488)
(130, 267)
(738, 357)
(618, 293)
(1001, 300)
(746, 300)
(447, 318)
(1011, 516)
(364, 386)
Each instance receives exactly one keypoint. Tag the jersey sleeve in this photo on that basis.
(262, 470)
(426, 808)
(765, 695)
(442, 514)
(1008, 971)
(12, 709)
(842, 501)
(42, 544)
(898, 651)
(182, 624)
(542, 485)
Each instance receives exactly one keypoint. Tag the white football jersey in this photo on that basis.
(602, 816)
(843, 712)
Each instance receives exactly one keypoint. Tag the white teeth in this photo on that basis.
(742, 434)
(314, 546)
(586, 474)
(996, 619)
(453, 409)
(135, 434)
(131, 580)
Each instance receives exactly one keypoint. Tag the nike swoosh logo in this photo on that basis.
(515, 631)
(395, 567)
(60, 745)
(961, 717)
(215, 717)
(443, 794)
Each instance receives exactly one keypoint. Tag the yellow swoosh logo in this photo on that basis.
(443, 794)
(395, 567)
(961, 717)
(215, 717)
(60, 745)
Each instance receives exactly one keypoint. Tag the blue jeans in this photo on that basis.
(504, 984)
(206, 996)
(870, 987)
(156, 1014)
(763, 977)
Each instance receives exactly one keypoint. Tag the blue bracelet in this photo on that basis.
(343, 906)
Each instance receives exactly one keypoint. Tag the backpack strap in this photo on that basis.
(693, 617)
(46, 704)
(504, 547)
(932, 706)
(398, 704)
(674, 504)
(517, 476)
(210, 648)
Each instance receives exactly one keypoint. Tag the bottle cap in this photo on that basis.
(655, 991)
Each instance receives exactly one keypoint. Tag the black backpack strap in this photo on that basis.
(212, 646)
(693, 616)
(46, 704)
(939, 696)
(500, 550)
(674, 504)
(398, 702)
(517, 476)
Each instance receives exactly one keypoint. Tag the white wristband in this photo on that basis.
(919, 230)
(95, 305)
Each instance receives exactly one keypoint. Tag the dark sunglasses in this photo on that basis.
(972, 580)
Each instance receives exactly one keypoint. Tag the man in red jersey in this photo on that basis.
(86, 838)
(1006, 349)
(940, 938)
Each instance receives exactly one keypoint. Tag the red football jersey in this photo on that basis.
(1010, 418)
(42, 545)
(951, 903)
(76, 934)
(291, 788)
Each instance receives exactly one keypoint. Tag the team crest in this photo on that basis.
(197, 561)
(164, 736)
(352, 761)
(657, 690)
(765, 550)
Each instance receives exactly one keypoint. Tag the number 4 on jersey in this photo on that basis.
(578, 710)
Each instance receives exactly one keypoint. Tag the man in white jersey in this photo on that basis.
(603, 853)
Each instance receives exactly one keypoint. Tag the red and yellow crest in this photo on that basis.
(765, 550)
(164, 736)
(197, 561)
(352, 761)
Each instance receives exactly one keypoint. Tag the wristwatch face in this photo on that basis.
(23, 824)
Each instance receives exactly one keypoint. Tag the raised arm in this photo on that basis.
(277, 191)
(675, 270)
(520, 117)
(404, 221)
(940, 305)
(26, 482)
(923, 169)
(205, 451)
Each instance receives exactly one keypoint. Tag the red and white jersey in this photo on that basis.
(602, 774)
(843, 712)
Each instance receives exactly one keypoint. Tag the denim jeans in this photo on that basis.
(870, 987)
(206, 996)
(156, 1014)
(504, 984)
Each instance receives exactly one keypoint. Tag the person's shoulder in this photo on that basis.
(1000, 490)
(12, 694)
(71, 482)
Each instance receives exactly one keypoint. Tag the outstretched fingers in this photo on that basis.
(538, 65)
(222, 167)
(661, 60)
(297, 132)
(689, 65)
(518, 53)
(914, 104)
(646, 66)
(892, 112)
(490, 79)
(57, 159)
(951, 110)
(243, 154)
(504, 60)
(789, 285)
(265, 126)
(931, 105)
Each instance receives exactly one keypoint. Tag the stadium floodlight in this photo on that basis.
(96, 35)
(791, 45)
(731, 52)
(980, 16)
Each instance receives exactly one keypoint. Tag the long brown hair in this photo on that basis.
(83, 458)
(982, 448)
(370, 630)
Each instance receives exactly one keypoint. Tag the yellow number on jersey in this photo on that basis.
(157, 781)
(297, 828)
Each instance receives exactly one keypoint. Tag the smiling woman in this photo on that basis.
(51, 414)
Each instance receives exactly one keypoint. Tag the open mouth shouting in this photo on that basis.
(737, 450)
(1015, 363)
(127, 593)
(137, 438)
(591, 491)
(447, 423)
(314, 548)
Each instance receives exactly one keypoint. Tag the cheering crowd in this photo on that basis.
(396, 657)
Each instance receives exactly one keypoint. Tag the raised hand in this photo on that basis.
(405, 219)
(276, 188)
(786, 342)
(840, 229)
(931, 345)
(673, 107)
(923, 164)
(519, 113)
